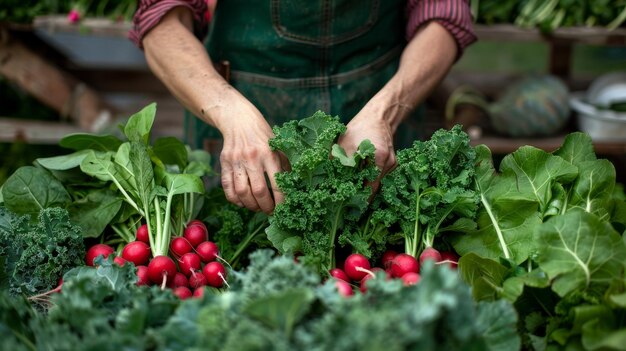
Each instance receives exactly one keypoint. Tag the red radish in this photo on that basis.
(404, 263)
(180, 280)
(97, 250)
(356, 266)
(183, 292)
(197, 222)
(142, 274)
(208, 251)
(197, 279)
(363, 283)
(339, 274)
(180, 246)
(161, 270)
(451, 258)
(430, 253)
(410, 278)
(388, 256)
(196, 234)
(136, 252)
(198, 292)
(344, 288)
(142, 234)
(120, 261)
(189, 262)
(215, 274)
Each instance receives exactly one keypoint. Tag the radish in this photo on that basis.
(183, 292)
(356, 266)
(97, 250)
(215, 274)
(189, 262)
(197, 280)
(142, 234)
(136, 252)
(388, 256)
(197, 222)
(363, 283)
(410, 278)
(198, 292)
(180, 246)
(344, 288)
(430, 253)
(120, 261)
(404, 263)
(180, 280)
(142, 274)
(339, 274)
(161, 270)
(451, 258)
(208, 251)
(196, 233)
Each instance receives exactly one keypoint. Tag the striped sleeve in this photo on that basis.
(454, 15)
(150, 12)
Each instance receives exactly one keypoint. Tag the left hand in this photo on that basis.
(367, 124)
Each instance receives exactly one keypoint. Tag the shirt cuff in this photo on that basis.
(454, 15)
(150, 12)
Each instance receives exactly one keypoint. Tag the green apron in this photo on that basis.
(291, 58)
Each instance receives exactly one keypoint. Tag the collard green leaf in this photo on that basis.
(282, 240)
(593, 188)
(577, 250)
(496, 322)
(513, 287)
(598, 336)
(536, 171)
(31, 189)
(83, 141)
(64, 162)
(138, 127)
(577, 147)
(484, 275)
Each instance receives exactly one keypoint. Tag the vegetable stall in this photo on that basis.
(120, 243)
(123, 240)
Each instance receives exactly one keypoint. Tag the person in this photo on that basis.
(371, 62)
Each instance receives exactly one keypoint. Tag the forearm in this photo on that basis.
(181, 62)
(424, 62)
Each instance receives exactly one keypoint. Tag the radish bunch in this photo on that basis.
(190, 266)
(357, 270)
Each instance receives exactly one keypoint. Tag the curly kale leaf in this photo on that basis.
(38, 254)
(430, 189)
(325, 191)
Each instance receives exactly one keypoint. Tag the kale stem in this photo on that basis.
(333, 235)
(24, 340)
(416, 231)
(242, 246)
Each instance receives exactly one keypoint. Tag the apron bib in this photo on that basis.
(293, 58)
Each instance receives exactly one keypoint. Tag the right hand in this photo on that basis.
(246, 159)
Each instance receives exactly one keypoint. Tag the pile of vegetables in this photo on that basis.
(116, 244)
(549, 15)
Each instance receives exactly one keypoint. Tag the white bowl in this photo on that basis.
(600, 124)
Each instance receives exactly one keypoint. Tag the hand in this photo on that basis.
(367, 125)
(246, 158)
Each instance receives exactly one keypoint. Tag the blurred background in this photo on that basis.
(540, 69)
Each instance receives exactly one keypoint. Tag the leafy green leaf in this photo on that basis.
(281, 310)
(593, 189)
(596, 336)
(138, 127)
(183, 183)
(95, 211)
(82, 141)
(484, 275)
(65, 162)
(171, 151)
(577, 147)
(578, 250)
(496, 322)
(142, 172)
(32, 189)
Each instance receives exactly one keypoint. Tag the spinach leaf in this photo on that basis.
(139, 124)
(31, 189)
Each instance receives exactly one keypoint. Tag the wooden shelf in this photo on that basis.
(89, 25)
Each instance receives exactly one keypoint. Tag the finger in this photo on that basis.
(261, 192)
(242, 187)
(228, 184)
(272, 168)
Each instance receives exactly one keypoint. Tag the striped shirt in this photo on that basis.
(454, 15)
